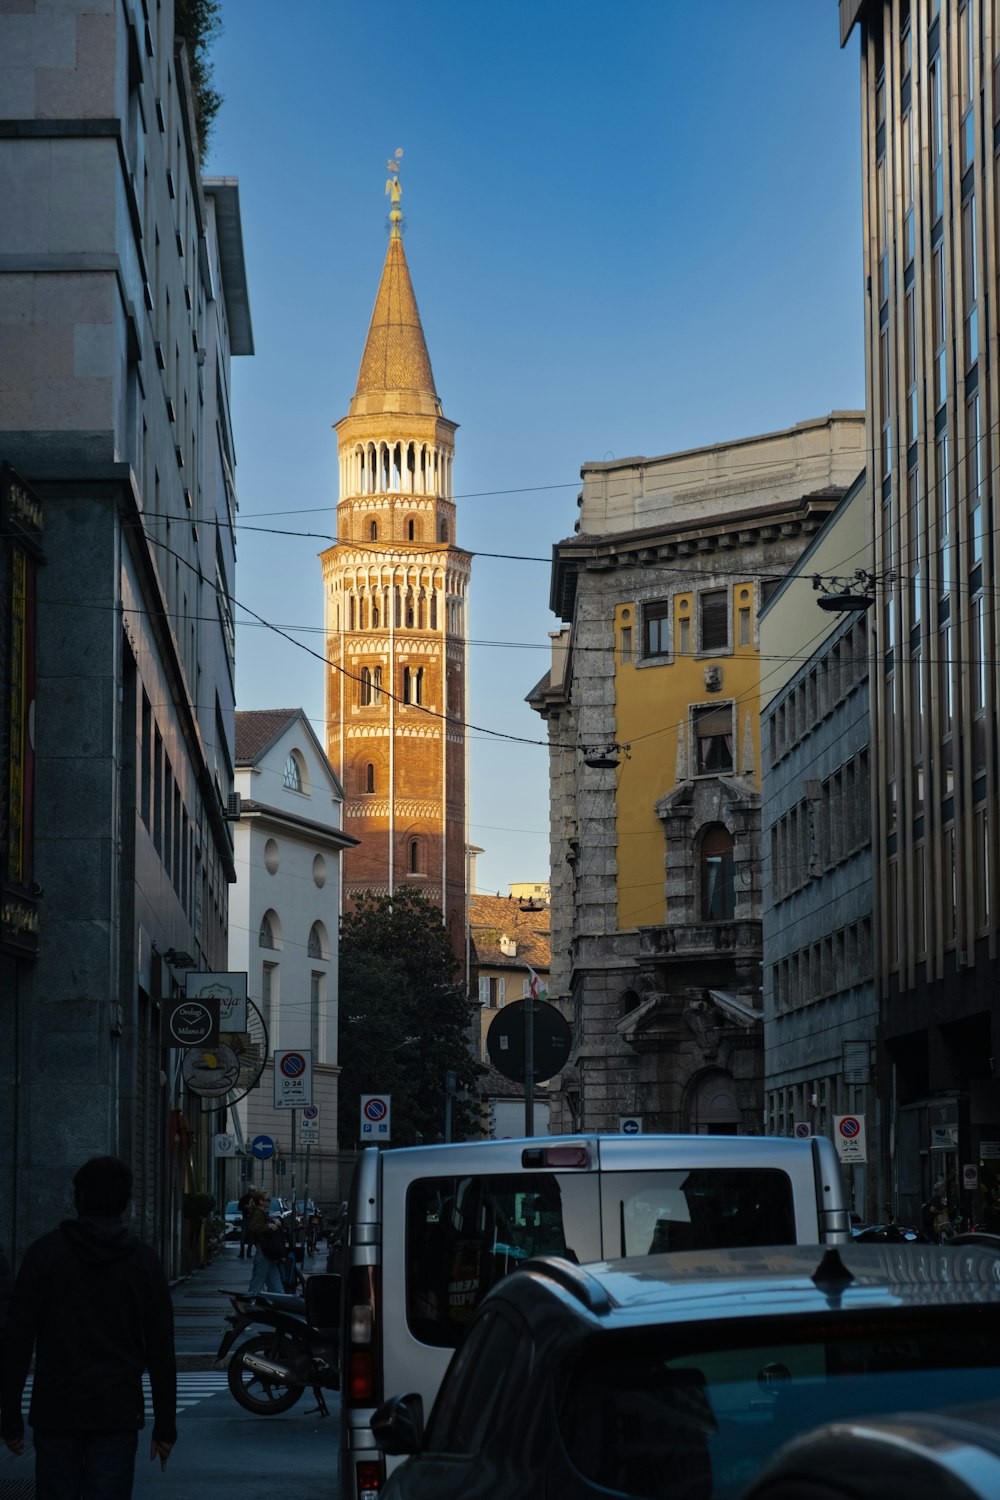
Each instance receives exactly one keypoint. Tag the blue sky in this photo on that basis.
(632, 227)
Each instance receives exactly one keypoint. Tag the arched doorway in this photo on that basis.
(712, 1109)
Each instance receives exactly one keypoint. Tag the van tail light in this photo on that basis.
(369, 1477)
(361, 1377)
(362, 1373)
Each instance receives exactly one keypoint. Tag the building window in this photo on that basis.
(366, 687)
(713, 620)
(317, 999)
(413, 684)
(937, 138)
(656, 618)
(940, 328)
(377, 685)
(718, 900)
(373, 531)
(713, 732)
(413, 857)
(969, 281)
(293, 773)
(411, 530)
(316, 946)
(265, 938)
(369, 777)
(744, 624)
(269, 994)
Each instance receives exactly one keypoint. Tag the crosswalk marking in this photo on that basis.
(192, 1386)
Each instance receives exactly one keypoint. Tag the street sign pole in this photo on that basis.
(529, 1063)
(294, 1114)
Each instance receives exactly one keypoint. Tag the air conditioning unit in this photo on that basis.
(234, 807)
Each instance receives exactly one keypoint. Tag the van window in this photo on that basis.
(646, 1212)
(463, 1234)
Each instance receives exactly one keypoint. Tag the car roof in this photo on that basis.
(692, 1286)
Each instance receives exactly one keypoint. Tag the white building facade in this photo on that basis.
(284, 927)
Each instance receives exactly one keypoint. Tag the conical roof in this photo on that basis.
(395, 372)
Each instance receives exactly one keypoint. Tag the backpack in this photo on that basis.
(271, 1242)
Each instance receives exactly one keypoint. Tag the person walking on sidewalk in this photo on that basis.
(245, 1205)
(93, 1303)
(269, 1242)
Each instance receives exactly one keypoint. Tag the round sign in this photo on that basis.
(210, 1071)
(970, 1177)
(375, 1110)
(551, 1041)
(262, 1147)
(311, 1112)
(191, 1024)
(802, 1130)
(849, 1127)
(630, 1127)
(293, 1065)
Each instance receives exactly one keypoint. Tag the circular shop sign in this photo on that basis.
(375, 1110)
(293, 1065)
(191, 1024)
(211, 1071)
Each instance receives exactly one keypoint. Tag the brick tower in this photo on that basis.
(395, 589)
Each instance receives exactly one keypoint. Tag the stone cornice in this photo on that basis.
(652, 546)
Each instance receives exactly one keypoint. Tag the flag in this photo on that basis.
(537, 988)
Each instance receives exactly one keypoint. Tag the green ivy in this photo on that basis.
(199, 22)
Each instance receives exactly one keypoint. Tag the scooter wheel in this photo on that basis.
(258, 1393)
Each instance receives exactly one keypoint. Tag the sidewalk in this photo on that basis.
(200, 1304)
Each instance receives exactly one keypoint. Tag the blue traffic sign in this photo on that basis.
(262, 1147)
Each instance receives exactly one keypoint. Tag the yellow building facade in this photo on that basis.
(653, 707)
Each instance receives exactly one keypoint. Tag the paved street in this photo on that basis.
(222, 1450)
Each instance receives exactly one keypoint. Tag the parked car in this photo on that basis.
(234, 1220)
(430, 1229)
(941, 1458)
(681, 1376)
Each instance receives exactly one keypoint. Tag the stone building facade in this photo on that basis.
(396, 609)
(820, 1010)
(656, 896)
(122, 297)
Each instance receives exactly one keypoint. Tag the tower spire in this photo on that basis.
(395, 373)
(393, 188)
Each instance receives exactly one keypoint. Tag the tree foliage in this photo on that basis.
(404, 1020)
(199, 22)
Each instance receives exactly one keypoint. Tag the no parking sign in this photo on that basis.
(849, 1134)
(375, 1116)
(293, 1078)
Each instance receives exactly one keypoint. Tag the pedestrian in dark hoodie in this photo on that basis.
(93, 1304)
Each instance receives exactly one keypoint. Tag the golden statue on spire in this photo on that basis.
(392, 187)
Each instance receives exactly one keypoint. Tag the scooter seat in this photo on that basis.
(281, 1302)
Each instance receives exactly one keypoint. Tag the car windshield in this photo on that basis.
(665, 1414)
(233, 1208)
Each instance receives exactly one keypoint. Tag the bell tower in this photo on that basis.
(396, 593)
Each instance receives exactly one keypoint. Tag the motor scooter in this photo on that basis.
(299, 1347)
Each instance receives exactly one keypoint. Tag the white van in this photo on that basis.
(430, 1229)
